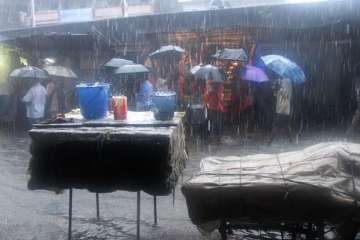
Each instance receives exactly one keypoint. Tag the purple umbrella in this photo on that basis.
(254, 74)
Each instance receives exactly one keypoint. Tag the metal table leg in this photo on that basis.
(70, 213)
(155, 210)
(173, 196)
(97, 207)
(138, 216)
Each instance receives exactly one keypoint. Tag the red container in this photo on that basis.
(119, 105)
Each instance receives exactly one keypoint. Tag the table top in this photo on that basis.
(134, 119)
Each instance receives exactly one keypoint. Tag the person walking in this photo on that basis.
(282, 118)
(355, 123)
(35, 100)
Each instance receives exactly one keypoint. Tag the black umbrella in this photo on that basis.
(235, 54)
(29, 72)
(196, 68)
(117, 62)
(209, 72)
(60, 71)
(134, 68)
(169, 50)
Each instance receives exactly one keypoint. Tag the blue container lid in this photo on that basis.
(92, 85)
(164, 93)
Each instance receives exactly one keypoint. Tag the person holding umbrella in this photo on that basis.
(142, 90)
(35, 97)
(144, 95)
(289, 74)
(214, 100)
(60, 89)
(355, 123)
(282, 119)
(35, 100)
(53, 98)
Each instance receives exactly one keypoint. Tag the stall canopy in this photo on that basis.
(288, 16)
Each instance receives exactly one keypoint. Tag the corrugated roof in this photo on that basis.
(303, 16)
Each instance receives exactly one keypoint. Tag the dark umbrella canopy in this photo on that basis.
(169, 50)
(60, 71)
(210, 72)
(29, 72)
(133, 68)
(235, 54)
(196, 68)
(117, 62)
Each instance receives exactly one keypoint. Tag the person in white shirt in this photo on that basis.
(35, 100)
(282, 119)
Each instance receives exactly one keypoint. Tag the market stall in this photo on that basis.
(136, 154)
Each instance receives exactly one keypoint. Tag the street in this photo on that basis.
(43, 215)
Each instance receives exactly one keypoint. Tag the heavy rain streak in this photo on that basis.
(179, 119)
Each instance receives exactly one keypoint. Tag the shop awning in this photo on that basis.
(289, 16)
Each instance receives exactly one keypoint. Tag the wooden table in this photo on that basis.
(137, 154)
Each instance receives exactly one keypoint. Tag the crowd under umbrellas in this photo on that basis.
(207, 77)
(206, 84)
(252, 80)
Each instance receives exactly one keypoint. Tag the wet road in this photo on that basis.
(42, 215)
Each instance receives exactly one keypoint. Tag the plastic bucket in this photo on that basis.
(93, 100)
(164, 105)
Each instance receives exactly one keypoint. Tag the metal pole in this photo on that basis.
(138, 216)
(59, 8)
(97, 207)
(155, 211)
(32, 10)
(93, 8)
(70, 213)
(173, 195)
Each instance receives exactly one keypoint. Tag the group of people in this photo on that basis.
(279, 101)
(45, 100)
(248, 101)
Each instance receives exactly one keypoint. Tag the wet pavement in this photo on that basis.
(43, 215)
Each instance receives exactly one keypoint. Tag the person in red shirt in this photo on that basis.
(214, 100)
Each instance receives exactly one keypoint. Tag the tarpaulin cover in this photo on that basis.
(319, 183)
(107, 155)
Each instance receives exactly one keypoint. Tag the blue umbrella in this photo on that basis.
(256, 59)
(284, 68)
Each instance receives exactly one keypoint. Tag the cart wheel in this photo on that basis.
(348, 230)
(222, 230)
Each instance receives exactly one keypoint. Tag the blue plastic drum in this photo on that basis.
(164, 105)
(93, 100)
